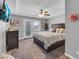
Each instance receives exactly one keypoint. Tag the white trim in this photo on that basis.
(21, 38)
(68, 55)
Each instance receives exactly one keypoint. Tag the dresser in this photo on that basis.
(12, 40)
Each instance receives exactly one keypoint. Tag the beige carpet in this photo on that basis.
(29, 50)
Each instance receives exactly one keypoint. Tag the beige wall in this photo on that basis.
(57, 19)
(21, 25)
(72, 29)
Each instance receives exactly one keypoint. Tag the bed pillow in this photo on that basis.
(57, 30)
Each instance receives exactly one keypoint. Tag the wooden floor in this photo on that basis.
(29, 50)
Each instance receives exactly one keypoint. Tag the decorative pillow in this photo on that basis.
(61, 30)
(57, 30)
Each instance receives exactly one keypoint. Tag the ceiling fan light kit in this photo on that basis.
(43, 13)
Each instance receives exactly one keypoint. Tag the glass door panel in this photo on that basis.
(28, 28)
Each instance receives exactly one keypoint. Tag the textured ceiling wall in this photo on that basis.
(32, 7)
(40, 3)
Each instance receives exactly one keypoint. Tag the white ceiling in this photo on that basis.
(32, 7)
(39, 3)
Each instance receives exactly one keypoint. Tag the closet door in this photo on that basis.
(27, 28)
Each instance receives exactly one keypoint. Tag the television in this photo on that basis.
(5, 13)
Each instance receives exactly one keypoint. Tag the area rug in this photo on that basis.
(29, 50)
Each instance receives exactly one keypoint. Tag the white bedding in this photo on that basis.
(48, 38)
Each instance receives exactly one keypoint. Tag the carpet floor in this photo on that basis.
(29, 50)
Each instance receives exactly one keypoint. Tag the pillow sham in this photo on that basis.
(60, 30)
(57, 30)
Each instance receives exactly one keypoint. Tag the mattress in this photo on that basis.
(49, 38)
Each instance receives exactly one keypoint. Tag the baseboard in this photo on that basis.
(21, 38)
(68, 55)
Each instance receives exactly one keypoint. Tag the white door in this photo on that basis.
(27, 28)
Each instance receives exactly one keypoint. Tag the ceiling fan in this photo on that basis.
(43, 13)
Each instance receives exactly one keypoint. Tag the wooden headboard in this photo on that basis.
(55, 26)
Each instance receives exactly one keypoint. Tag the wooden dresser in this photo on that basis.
(12, 40)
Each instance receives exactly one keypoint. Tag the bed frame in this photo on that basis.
(53, 46)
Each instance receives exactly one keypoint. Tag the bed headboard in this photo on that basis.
(59, 25)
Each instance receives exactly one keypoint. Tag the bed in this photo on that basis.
(50, 40)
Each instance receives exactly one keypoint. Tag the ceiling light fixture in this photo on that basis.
(43, 13)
